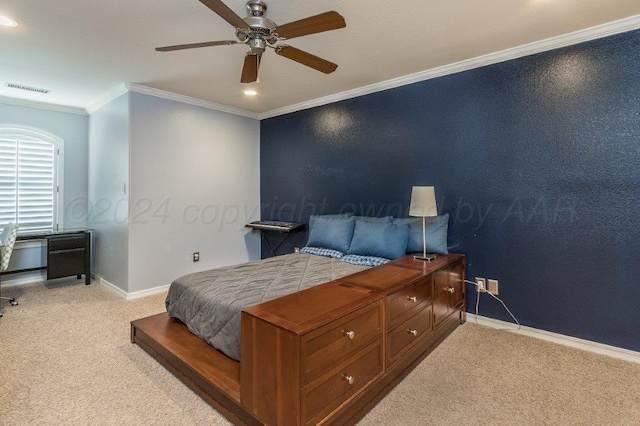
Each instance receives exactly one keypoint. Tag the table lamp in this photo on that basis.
(423, 204)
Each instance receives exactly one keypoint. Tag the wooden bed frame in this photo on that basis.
(325, 355)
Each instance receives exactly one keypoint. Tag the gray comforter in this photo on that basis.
(209, 302)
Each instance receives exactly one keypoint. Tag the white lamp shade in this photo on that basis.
(423, 202)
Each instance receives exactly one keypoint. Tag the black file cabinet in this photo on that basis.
(69, 254)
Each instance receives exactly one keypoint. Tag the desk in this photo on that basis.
(68, 253)
(274, 226)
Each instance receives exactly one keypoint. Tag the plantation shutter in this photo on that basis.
(27, 183)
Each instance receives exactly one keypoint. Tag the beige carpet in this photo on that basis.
(65, 358)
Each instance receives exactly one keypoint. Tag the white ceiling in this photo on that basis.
(82, 49)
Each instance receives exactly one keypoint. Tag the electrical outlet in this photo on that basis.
(481, 284)
(196, 256)
(492, 286)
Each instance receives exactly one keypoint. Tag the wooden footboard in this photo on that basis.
(324, 355)
(208, 372)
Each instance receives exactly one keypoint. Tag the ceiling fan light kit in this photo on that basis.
(258, 33)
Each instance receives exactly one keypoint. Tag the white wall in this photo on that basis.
(108, 206)
(73, 129)
(195, 182)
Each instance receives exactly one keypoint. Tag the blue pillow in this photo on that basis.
(312, 218)
(437, 228)
(385, 219)
(386, 240)
(331, 233)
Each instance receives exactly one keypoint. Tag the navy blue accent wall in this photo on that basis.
(537, 160)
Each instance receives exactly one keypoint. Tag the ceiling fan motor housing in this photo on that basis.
(257, 7)
(260, 28)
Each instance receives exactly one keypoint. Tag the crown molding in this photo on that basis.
(158, 93)
(42, 105)
(145, 90)
(110, 96)
(576, 37)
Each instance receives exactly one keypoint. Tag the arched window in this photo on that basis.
(30, 178)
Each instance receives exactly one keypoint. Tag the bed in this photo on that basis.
(209, 302)
(304, 339)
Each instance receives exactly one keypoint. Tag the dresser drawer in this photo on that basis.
(63, 263)
(322, 396)
(407, 333)
(66, 242)
(407, 301)
(328, 345)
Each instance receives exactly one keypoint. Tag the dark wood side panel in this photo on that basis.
(247, 370)
(270, 373)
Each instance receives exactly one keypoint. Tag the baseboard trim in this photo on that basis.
(120, 292)
(136, 294)
(147, 292)
(561, 339)
(22, 279)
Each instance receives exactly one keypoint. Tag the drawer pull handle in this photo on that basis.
(412, 332)
(412, 298)
(451, 290)
(350, 334)
(349, 379)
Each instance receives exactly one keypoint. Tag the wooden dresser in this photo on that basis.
(329, 353)
(446, 275)
(305, 354)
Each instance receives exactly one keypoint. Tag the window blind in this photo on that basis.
(27, 183)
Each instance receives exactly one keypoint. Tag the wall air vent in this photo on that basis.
(27, 88)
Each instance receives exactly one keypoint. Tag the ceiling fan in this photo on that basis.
(258, 33)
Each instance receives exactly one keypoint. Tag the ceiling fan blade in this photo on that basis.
(225, 13)
(307, 59)
(196, 45)
(314, 24)
(250, 68)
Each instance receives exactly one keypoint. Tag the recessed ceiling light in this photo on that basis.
(250, 92)
(7, 22)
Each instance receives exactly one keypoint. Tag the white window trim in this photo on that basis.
(12, 130)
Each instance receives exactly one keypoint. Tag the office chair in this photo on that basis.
(8, 240)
